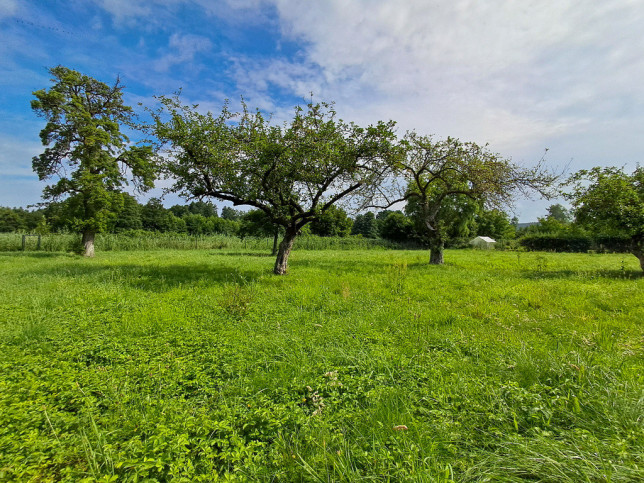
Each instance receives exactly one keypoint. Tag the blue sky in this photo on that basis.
(522, 76)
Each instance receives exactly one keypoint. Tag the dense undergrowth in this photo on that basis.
(145, 240)
(356, 366)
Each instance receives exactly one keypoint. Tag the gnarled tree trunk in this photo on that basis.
(436, 248)
(88, 243)
(281, 263)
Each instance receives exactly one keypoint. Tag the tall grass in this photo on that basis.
(361, 365)
(141, 240)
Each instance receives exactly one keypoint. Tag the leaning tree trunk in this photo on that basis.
(284, 251)
(88, 243)
(436, 248)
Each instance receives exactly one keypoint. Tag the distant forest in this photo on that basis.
(557, 231)
(205, 218)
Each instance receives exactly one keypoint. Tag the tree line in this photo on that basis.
(557, 230)
(294, 177)
(203, 218)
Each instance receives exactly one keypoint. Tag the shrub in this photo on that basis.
(613, 243)
(557, 242)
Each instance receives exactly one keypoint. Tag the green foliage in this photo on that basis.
(357, 366)
(256, 223)
(154, 217)
(130, 215)
(495, 224)
(203, 208)
(332, 222)
(552, 225)
(365, 225)
(613, 243)
(294, 173)
(559, 213)
(19, 219)
(397, 227)
(225, 227)
(611, 202)
(197, 224)
(86, 151)
(447, 181)
(9, 220)
(454, 219)
(557, 242)
(228, 213)
(145, 240)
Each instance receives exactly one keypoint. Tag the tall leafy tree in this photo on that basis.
(129, 218)
(257, 223)
(293, 173)
(87, 153)
(445, 180)
(333, 222)
(155, 217)
(365, 225)
(10, 220)
(609, 201)
(397, 227)
(228, 213)
(203, 208)
(454, 219)
(559, 213)
(494, 223)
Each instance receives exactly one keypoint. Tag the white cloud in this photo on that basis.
(15, 156)
(182, 48)
(522, 76)
(18, 183)
(510, 73)
(8, 8)
(160, 13)
(127, 10)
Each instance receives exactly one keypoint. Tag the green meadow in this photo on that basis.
(358, 365)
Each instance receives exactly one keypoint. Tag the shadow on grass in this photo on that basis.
(37, 255)
(338, 266)
(152, 278)
(583, 274)
(245, 254)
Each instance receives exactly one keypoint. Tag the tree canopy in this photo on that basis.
(445, 180)
(610, 201)
(494, 223)
(87, 151)
(333, 222)
(293, 173)
(365, 224)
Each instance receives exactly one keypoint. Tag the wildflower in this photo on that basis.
(333, 378)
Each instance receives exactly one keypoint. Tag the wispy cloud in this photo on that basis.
(8, 8)
(511, 73)
(182, 48)
(128, 11)
(17, 156)
(522, 76)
